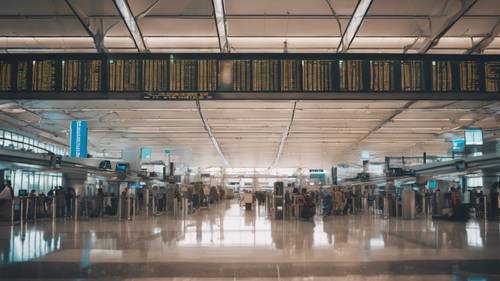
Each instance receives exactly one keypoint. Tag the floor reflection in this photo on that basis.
(227, 225)
(25, 245)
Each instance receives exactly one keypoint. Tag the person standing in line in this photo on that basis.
(60, 198)
(6, 197)
(7, 191)
(100, 202)
(70, 197)
(494, 201)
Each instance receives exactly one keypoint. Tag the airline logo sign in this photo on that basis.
(78, 140)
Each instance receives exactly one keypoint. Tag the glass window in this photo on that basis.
(36, 181)
(14, 141)
(7, 136)
(18, 179)
(31, 142)
(43, 182)
(37, 146)
(31, 181)
(22, 142)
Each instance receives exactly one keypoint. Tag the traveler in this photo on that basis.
(70, 197)
(327, 204)
(99, 202)
(338, 198)
(494, 202)
(6, 196)
(455, 197)
(7, 191)
(31, 201)
(309, 208)
(60, 202)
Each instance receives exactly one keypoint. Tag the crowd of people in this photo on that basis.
(338, 201)
(39, 205)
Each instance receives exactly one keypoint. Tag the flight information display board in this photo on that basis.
(197, 76)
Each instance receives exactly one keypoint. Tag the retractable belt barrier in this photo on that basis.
(27, 209)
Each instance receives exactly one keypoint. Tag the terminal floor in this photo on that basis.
(225, 242)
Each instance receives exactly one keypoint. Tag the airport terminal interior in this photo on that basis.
(287, 140)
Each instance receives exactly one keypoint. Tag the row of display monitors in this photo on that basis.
(248, 75)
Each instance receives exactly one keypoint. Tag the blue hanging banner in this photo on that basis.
(78, 139)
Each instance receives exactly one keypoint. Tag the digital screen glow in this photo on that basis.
(474, 137)
(458, 145)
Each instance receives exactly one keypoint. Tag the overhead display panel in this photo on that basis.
(474, 137)
(254, 76)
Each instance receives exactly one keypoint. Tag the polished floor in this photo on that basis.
(227, 243)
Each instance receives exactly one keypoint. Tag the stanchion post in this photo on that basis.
(133, 207)
(22, 210)
(128, 208)
(154, 206)
(147, 201)
(119, 212)
(35, 208)
(12, 212)
(27, 208)
(485, 208)
(386, 209)
(53, 208)
(76, 208)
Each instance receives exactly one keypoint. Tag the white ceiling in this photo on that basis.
(249, 133)
(253, 26)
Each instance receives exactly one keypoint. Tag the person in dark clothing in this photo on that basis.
(8, 190)
(288, 203)
(6, 197)
(60, 202)
(309, 209)
(327, 204)
(31, 201)
(69, 197)
(494, 202)
(99, 202)
(348, 201)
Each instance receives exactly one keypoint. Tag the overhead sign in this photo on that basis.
(146, 153)
(365, 155)
(458, 145)
(316, 171)
(176, 96)
(78, 138)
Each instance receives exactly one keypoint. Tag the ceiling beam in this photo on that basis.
(220, 24)
(284, 137)
(389, 119)
(95, 31)
(237, 16)
(211, 135)
(482, 44)
(130, 21)
(354, 24)
(435, 36)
